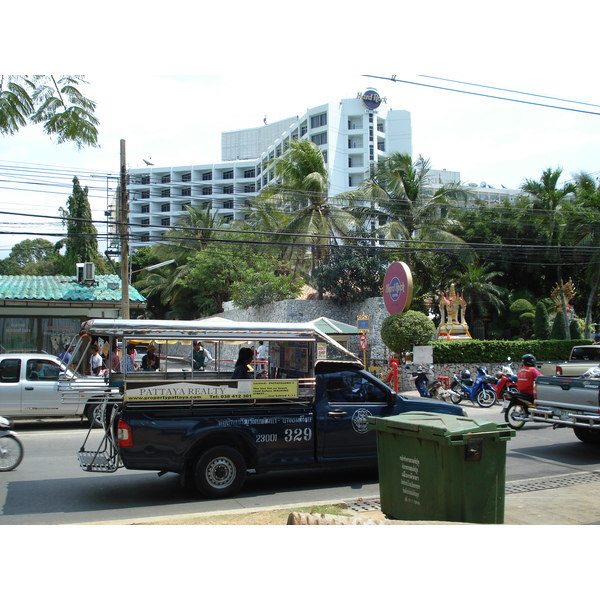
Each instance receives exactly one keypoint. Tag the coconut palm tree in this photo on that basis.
(546, 206)
(301, 188)
(192, 233)
(475, 282)
(588, 237)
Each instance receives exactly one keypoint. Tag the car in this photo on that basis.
(32, 386)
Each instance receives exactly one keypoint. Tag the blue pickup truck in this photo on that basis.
(215, 430)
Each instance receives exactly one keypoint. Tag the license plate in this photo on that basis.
(564, 414)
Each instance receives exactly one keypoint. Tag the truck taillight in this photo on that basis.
(559, 371)
(124, 436)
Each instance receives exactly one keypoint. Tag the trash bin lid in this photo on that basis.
(450, 429)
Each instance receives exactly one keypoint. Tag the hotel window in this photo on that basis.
(185, 205)
(165, 207)
(165, 193)
(145, 222)
(303, 129)
(228, 204)
(186, 177)
(145, 179)
(228, 189)
(227, 218)
(145, 194)
(145, 237)
(165, 222)
(227, 174)
(318, 120)
(207, 191)
(248, 189)
(207, 176)
(145, 208)
(186, 192)
(165, 179)
(319, 139)
(249, 174)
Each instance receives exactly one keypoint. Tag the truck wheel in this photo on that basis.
(486, 398)
(515, 415)
(589, 436)
(220, 472)
(95, 415)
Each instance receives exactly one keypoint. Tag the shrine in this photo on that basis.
(453, 325)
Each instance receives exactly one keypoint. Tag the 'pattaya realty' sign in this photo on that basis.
(397, 288)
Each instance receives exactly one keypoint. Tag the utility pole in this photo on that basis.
(123, 235)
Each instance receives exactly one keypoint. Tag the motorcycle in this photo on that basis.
(426, 390)
(11, 449)
(516, 407)
(480, 391)
(504, 380)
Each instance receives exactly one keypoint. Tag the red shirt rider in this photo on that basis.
(525, 379)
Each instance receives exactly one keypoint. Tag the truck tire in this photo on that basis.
(95, 415)
(220, 472)
(588, 436)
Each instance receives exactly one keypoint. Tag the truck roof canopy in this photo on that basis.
(214, 329)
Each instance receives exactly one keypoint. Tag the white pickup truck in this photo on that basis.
(580, 360)
(31, 386)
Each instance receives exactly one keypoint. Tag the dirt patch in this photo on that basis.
(267, 517)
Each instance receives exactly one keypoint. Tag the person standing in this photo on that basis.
(198, 357)
(128, 362)
(261, 353)
(96, 361)
(66, 355)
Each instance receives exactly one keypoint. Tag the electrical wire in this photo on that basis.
(394, 79)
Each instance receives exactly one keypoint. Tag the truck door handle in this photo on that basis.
(566, 386)
(337, 413)
(29, 388)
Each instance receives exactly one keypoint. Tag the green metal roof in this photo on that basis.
(64, 288)
(331, 327)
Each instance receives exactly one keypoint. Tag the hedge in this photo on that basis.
(497, 351)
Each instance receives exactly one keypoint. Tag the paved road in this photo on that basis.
(50, 488)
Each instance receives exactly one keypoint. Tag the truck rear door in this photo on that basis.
(10, 387)
(344, 401)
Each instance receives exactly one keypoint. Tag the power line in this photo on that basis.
(394, 79)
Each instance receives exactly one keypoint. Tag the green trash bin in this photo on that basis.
(438, 467)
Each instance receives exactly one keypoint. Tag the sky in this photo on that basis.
(169, 85)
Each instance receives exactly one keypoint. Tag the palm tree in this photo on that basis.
(474, 280)
(192, 233)
(547, 203)
(588, 237)
(302, 187)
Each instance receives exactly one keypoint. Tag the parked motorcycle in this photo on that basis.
(422, 382)
(11, 449)
(480, 391)
(516, 407)
(504, 380)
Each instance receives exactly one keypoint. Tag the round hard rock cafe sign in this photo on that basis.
(397, 288)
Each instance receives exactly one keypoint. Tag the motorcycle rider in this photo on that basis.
(527, 375)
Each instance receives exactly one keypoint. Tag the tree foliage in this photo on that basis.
(82, 236)
(56, 102)
(402, 331)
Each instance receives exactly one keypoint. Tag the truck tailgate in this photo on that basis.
(567, 401)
